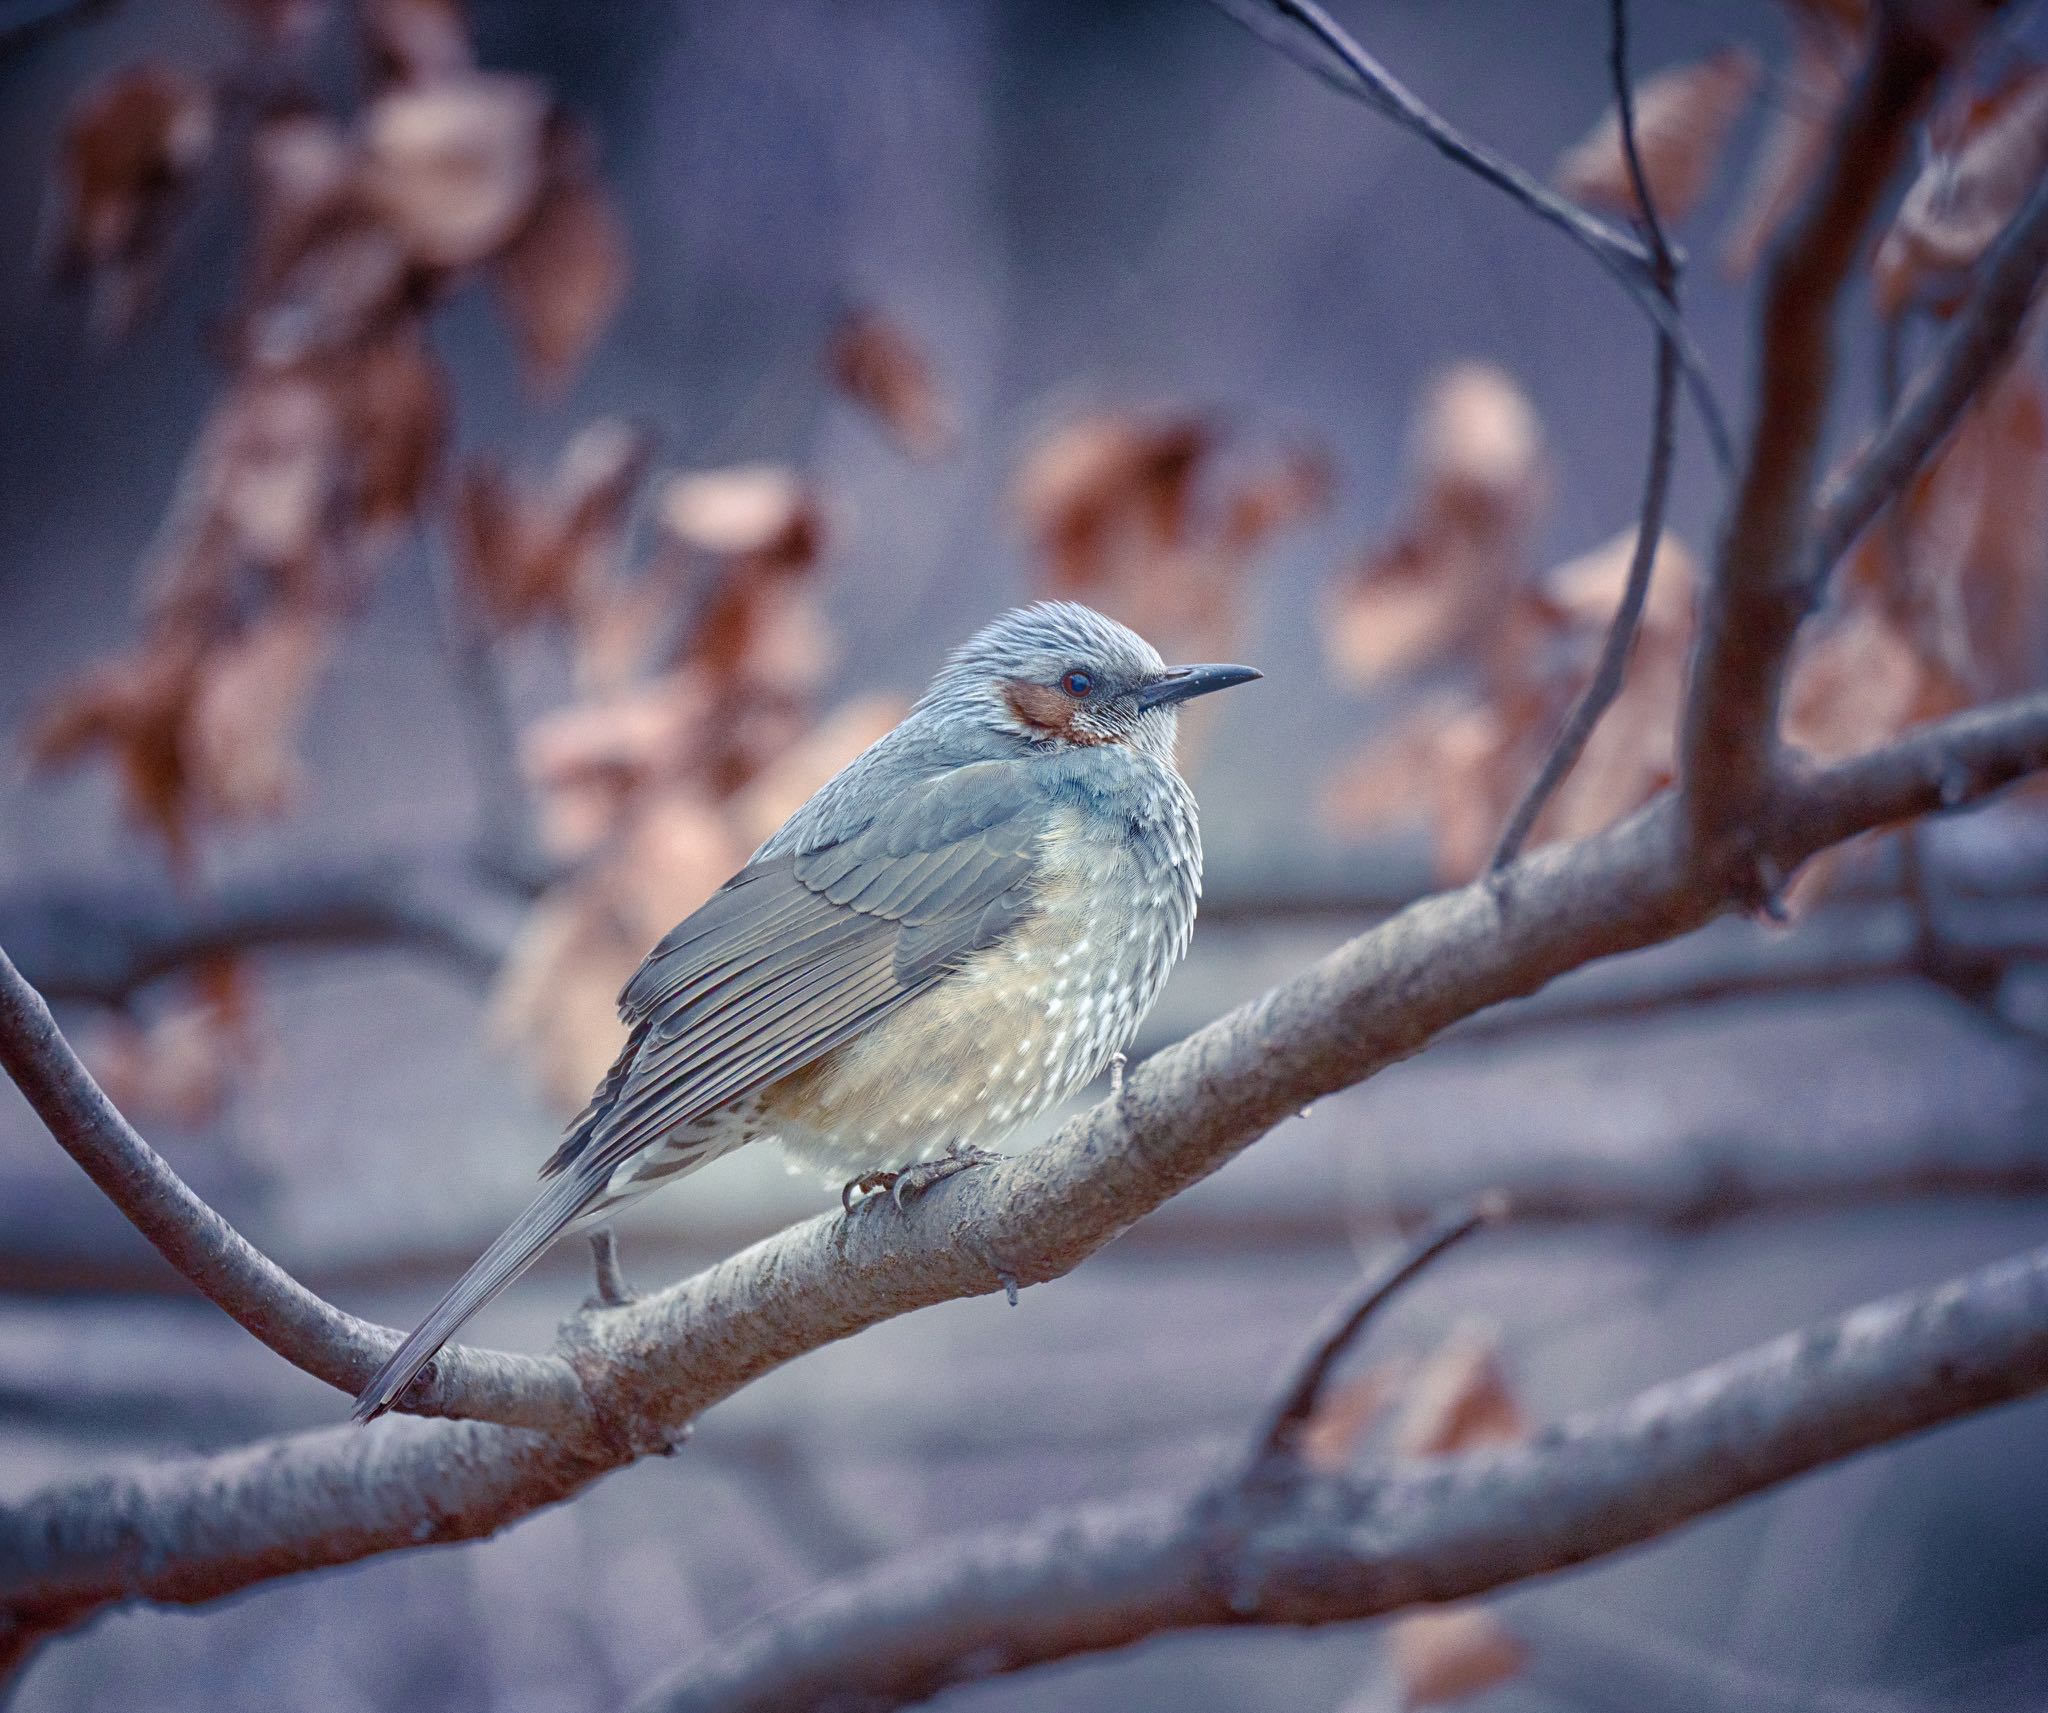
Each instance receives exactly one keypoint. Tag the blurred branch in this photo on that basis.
(102, 943)
(230, 1271)
(1313, 40)
(1754, 601)
(1319, 1548)
(1612, 666)
(1279, 1438)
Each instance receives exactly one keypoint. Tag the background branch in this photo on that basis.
(1334, 1548)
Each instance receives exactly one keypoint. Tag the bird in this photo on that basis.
(962, 927)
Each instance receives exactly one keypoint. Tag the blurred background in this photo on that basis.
(464, 479)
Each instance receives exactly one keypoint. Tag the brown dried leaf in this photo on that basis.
(1105, 487)
(134, 707)
(1291, 490)
(394, 398)
(877, 364)
(1860, 682)
(749, 510)
(1683, 117)
(1460, 1399)
(1476, 464)
(132, 145)
(1446, 1654)
(593, 760)
(1827, 45)
(417, 41)
(1990, 152)
(455, 166)
(550, 552)
(265, 474)
(1347, 1411)
(247, 711)
(562, 279)
(342, 288)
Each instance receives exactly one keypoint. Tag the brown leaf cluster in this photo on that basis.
(1683, 117)
(1142, 516)
(661, 780)
(1454, 592)
(323, 452)
(876, 363)
(1456, 1399)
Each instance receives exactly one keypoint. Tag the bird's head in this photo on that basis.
(1059, 674)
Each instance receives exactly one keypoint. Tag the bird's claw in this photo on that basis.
(1117, 1062)
(914, 1180)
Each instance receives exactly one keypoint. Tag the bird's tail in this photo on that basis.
(550, 1214)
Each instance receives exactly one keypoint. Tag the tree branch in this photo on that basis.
(228, 1269)
(1336, 1548)
(1612, 667)
(1278, 1439)
(207, 1529)
(101, 944)
(1753, 603)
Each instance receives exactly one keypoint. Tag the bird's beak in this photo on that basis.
(1178, 683)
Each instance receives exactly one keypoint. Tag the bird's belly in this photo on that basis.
(1013, 1031)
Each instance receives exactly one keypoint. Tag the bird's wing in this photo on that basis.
(800, 952)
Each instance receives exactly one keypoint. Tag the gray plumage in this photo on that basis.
(959, 929)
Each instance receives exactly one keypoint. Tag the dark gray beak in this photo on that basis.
(1178, 683)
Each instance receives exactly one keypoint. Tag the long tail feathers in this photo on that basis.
(550, 1214)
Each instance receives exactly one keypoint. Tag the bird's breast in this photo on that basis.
(1016, 1027)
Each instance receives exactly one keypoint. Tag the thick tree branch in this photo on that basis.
(1320, 1548)
(1755, 599)
(647, 1370)
(232, 1272)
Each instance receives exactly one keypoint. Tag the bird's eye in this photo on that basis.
(1078, 685)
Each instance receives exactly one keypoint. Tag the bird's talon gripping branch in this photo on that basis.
(864, 1185)
(1117, 1062)
(612, 1290)
(916, 1179)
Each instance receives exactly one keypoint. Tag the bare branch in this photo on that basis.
(1754, 601)
(1279, 1438)
(1316, 42)
(647, 1370)
(233, 1273)
(1322, 1549)
(1612, 667)
(100, 944)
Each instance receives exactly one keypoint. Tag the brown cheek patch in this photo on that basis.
(1048, 710)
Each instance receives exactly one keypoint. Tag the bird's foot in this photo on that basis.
(866, 1184)
(915, 1179)
(1117, 1062)
(612, 1290)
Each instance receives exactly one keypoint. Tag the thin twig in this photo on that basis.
(1346, 66)
(1280, 1438)
(1611, 670)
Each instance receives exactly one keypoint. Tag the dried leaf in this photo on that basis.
(132, 146)
(133, 706)
(455, 166)
(877, 364)
(1460, 1400)
(394, 402)
(1346, 1413)
(1990, 152)
(1447, 1654)
(1683, 117)
(248, 708)
(550, 551)
(1105, 486)
(591, 761)
(1858, 683)
(1476, 465)
(417, 41)
(339, 291)
(755, 510)
(563, 279)
(1291, 490)
(181, 1065)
